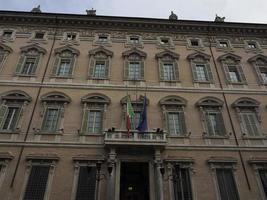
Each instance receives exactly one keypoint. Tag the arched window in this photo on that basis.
(173, 115)
(65, 58)
(94, 111)
(4, 51)
(134, 64)
(11, 109)
(212, 119)
(259, 63)
(200, 67)
(232, 69)
(100, 60)
(29, 60)
(248, 115)
(168, 66)
(53, 111)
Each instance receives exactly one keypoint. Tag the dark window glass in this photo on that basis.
(36, 186)
(39, 35)
(7, 34)
(226, 183)
(164, 41)
(194, 43)
(11, 118)
(86, 183)
(263, 176)
(224, 44)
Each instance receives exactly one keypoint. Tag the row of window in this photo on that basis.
(95, 107)
(134, 64)
(40, 172)
(135, 40)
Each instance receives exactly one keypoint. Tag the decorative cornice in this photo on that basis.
(134, 50)
(167, 52)
(33, 46)
(68, 48)
(101, 49)
(200, 54)
(130, 23)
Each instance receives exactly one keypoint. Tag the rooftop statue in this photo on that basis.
(37, 9)
(173, 16)
(219, 19)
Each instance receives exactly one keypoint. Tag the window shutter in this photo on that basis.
(209, 73)
(226, 72)
(161, 71)
(258, 72)
(20, 63)
(3, 113)
(182, 123)
(142, 69)
(107, 63)
(208, 124)
(247, 124)
(85, 121)
(241, 73)
(72, 65)
(56, 65)
(35, 64)
(86, 183)
(126, 69)
(221, 128)
(16, 119)
(176, 70)
(194, 71)
(254, 124)
(91, 67)
(37, 182)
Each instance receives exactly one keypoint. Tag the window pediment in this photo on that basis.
(137, 102)
(259, 59)
(229, 160)
(4, 48)
(167, 54)
(16, 95)
(134, 51)
(33, 49)
(229, 58)
(101, 51)
(67, 50)
(56, 97)
(173, 100)
(209, 102)
(96, 98)
(246, 102)
(199, 57)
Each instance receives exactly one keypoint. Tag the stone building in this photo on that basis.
(64, 82)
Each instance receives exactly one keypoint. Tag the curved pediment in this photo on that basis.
(246, 102)
(96, 98)
(173, 100)
(209, 101)
(134, 100)
(167, 53)
(260, 57)
(134, 51)
(229, 56)
(67, 48)
(56, 97)
(16, 95)
(33, 47)
(198, 55)
(101, 49)
(5, 48)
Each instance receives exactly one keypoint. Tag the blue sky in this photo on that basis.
(234, 10)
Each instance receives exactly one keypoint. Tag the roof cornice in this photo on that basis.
(131, 23)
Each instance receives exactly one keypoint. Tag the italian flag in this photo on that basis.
(130, 114)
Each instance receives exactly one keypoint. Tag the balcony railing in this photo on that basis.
(135, 138)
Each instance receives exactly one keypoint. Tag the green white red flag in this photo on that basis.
(130, 114)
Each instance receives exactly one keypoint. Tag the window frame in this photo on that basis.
(4, 52)
(8, 39)
(259, 62)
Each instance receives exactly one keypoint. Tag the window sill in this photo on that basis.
(237, 83)
(263, 137)
(170, 81)
(62, 77)
(203, 82)
(215, 137)
(26, 75)
(134, 80)
(92, 134)
(17, 131)
(178, 136)
(94, 78)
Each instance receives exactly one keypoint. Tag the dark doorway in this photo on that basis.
(134, 182)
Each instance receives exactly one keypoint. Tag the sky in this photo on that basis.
(252, 11)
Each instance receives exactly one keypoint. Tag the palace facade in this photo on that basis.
(64, 82)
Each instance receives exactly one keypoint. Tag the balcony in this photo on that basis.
(123, 138)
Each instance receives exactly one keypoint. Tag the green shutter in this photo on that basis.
(36, 64)
(56, 65)
(3, 113)
(126, 69)
(241, 73)
(16, 119)
(176, 70)
(209, 73)
(20, 64)
(226, 73)
(91, 67)
(194, 71)
(182, 123)
(208, 124)
(221, 127)
(85, 121)
(44, 117)
(72, 65)
(258, 72)
(107, 68)
(142, 69)
(161, 71)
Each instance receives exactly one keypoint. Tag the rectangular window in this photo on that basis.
(168, 72)
(86, 183)
(100, 69)
(164, 41)
(263, 74)
(7, 34)
(252, 45)
(263, 177)
(134, 70)
(194, 43)
(214, 123)
(103, 38)
(51, 119)
(37, 182)
(39, 35)
(28, 67)
(71, 36)
(11, 118)
(226, 184)
(201, 73)
(182, 184)
(175, 123)
(223, 44)
(234, 74)
(251, 123)
(64, 67)
(134, 39)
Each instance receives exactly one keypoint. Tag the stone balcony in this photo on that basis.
(123, 138)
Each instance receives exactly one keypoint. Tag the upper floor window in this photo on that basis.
(165, 42)
(259, 63)
(94, 110)
(134, 61)
(252, 45)
(223, 44)
(53, 111)
(29, 60)
(4, 52)
(134, 39)
(249, 117)
(11, 107)
(102, 39)
(7, 35)
(173, 113)
(65, 58)
(168, 66)
(39, 35)
(100, 60)
(200, 67)
(232, 69)
(194, 43)
(212, 118)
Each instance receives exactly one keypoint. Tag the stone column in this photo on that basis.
(112, 175)
(158, 175)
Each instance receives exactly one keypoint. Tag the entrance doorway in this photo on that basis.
(134, 181)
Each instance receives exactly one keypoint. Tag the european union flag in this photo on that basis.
(142, 126)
